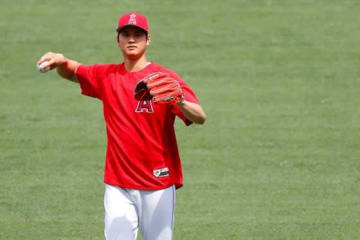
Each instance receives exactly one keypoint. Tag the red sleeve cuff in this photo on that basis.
(88, 83)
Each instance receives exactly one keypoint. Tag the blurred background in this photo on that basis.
(278, 157)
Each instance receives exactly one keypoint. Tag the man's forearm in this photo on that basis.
(68, 69)
(193, 112)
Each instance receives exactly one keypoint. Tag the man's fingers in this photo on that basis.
(44, 67)
(46, 57)
(47, 62)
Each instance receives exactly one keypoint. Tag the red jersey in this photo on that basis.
(142, 150)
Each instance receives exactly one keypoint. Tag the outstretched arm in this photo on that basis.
(192, 111)
(65, 67)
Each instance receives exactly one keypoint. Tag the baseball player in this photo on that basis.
(140, 102)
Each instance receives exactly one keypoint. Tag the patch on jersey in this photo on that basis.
(162, 172)
(144, 105)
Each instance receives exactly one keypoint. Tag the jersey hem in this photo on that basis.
(127, 186)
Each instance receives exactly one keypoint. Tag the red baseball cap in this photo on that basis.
(133, 19)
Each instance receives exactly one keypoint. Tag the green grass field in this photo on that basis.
(278, 157)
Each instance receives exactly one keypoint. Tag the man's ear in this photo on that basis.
(148, 40)
(117, 38)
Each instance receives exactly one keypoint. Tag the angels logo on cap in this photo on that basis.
(133, 19)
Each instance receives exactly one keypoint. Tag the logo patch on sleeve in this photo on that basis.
(162, 172)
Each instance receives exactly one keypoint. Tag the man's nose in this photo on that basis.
(131, 38)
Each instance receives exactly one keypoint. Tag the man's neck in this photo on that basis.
(135, 65)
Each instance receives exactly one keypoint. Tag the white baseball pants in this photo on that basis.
(127, 210)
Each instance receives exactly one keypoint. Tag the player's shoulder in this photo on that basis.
(105, 68)
(109, 66)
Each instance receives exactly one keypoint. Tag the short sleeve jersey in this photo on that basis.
(142, 151)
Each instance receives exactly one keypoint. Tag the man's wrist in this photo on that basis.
(181, 102)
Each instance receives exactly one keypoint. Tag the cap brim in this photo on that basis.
(127, 25)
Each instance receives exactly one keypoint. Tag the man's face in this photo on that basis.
(132, 42)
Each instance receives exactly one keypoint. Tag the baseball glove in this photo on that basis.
(160, 88)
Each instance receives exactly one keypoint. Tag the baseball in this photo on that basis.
(43, 67)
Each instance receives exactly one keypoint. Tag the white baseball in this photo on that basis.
(43, 67)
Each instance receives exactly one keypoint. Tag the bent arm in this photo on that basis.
(65, 67)
(192, 111)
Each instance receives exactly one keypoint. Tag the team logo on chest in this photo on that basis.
(144, 106)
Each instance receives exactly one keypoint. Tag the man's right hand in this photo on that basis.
(65, 67)
(54, 59)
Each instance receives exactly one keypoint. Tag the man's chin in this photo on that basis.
(133, 56)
